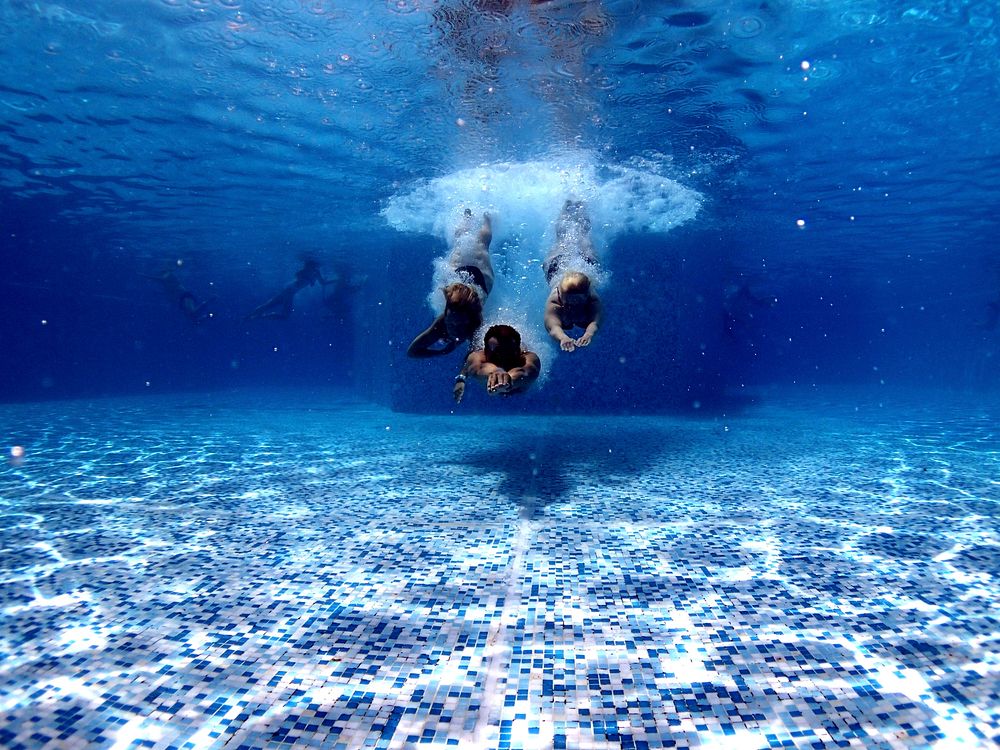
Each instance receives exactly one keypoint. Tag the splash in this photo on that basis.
(524, 200)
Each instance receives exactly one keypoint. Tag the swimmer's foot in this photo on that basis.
(464, 223)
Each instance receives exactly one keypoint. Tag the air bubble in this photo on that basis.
(747, 27)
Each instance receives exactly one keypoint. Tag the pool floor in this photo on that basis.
(261, 571)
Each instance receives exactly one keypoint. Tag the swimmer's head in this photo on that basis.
(463, 312)
(574, 288)
(574, 282)
(503, 346)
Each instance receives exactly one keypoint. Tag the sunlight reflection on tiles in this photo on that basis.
(770, 585)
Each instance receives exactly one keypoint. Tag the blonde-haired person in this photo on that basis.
(573, 303)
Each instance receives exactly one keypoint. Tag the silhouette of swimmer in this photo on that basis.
(194, 311)
(338, 291)
(471, 282)
(739, 306)
(279, 307)
(501, 365)
(572, 303)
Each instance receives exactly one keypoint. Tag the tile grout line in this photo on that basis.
(498, 662)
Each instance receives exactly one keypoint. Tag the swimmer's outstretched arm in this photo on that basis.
(554, 325)
(477, 367)
(524, 376)
(436, 333)
(498, 380)
(278, 307)
(459, 389)
(595, 324)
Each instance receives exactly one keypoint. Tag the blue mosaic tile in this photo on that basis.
(186, 574)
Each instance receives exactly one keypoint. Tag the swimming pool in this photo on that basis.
(261, 569)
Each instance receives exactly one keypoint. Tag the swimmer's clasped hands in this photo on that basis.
(570, 345)
(499, 382)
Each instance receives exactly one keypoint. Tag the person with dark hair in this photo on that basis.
(502, 365)
(279, 307)
(573, 303)
(193, 310)
(470, 283)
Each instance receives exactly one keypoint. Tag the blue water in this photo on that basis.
(727, 523)
(227, 139)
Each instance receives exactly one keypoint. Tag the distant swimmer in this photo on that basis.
(470, 281)
(195, 311)
(501, 365)
(279, 307)
(339, 290)
(573, 303)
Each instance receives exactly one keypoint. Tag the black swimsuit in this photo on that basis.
(553, 266)
(475, 274)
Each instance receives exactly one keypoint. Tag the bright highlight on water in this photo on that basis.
(523, 201)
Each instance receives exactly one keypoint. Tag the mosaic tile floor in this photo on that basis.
(236, 571)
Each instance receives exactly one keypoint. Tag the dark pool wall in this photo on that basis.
(78, 320)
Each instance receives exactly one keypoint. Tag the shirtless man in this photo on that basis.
(572, 303)
(502, 365)
(471, 281)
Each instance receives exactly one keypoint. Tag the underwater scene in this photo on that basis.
(499, 374)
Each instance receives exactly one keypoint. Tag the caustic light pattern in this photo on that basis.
(179, 574)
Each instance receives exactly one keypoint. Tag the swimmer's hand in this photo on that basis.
(567, 345)
(459, 391)
(584, 340)
(499, 382)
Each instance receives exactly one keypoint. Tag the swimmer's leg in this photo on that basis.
(486, 232)
(464, 224)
